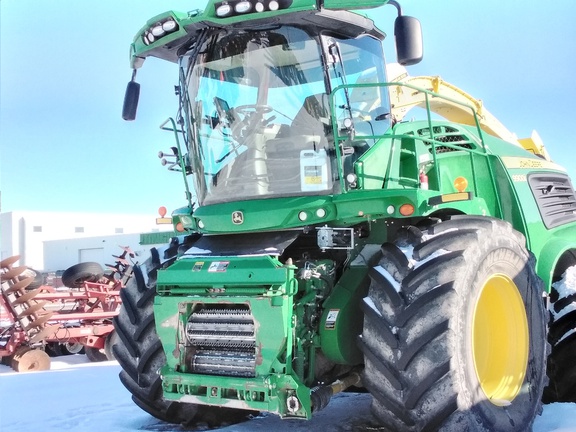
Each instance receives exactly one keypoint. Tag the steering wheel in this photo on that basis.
(252, 119)
(253, 108)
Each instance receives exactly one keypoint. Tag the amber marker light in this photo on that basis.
(180, 227)
(460, 183)
(406, 209)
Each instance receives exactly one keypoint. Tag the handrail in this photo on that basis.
(175, 129)
(432, 102)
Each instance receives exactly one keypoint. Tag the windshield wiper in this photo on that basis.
(334, 50)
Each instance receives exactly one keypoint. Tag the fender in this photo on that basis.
(549, 256)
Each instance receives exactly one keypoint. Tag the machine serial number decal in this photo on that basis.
(519, 177)
(198, 266)
(218, 266)
(331, 319)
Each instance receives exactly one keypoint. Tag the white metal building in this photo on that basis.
(50, 241)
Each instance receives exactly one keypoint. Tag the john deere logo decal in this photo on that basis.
(237, 218)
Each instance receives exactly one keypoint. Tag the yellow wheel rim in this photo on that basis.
(500, 340)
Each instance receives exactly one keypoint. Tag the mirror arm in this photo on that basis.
(396, 5)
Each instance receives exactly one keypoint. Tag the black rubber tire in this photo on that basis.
(95, 355)
(38, 278)
(53, 349)
(417, 338)
(562, 337)
(110, 341)
(139, 352)
(75, 276)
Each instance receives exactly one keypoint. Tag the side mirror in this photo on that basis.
(408, 35)
(131, 100)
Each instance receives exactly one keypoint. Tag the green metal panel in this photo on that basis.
(267, 288)
(194, 276)
(560, 241)
(342, 319)
(157, 237)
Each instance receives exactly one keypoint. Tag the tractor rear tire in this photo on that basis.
(75, 276)
(139, 352)
(454, 332)
(562, 338)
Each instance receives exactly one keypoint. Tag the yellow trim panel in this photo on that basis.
(512, 162)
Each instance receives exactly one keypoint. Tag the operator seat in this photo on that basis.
(313, 118)
(309, 128)
(308, 131)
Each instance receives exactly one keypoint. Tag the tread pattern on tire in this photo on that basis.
(74, 277)
(140, 353)
(562, 337)
(408, 337)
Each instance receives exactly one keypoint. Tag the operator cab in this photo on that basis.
(263, 107)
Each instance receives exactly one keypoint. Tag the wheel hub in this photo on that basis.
(500, 340)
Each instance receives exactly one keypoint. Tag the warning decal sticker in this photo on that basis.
(331, 318)
(218, 266)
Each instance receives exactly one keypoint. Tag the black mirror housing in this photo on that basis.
(408, 35)
(131, 101)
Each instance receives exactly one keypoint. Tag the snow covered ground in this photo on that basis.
(88, 397)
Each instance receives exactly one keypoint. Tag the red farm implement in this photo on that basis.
(59, 320)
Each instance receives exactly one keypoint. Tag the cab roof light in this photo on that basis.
(229, 8)
(159, 29)
(223, 10)
(243, 7)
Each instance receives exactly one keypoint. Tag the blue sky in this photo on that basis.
(64, 67)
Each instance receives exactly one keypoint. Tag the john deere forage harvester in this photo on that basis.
(328, 243)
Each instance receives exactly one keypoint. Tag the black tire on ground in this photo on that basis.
(110, 341)
(453, 311)
(53, 349)
(95, 354)
(140, 354)
(562, 337)
(75, 276)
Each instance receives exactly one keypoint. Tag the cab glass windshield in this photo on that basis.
(260, 122)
